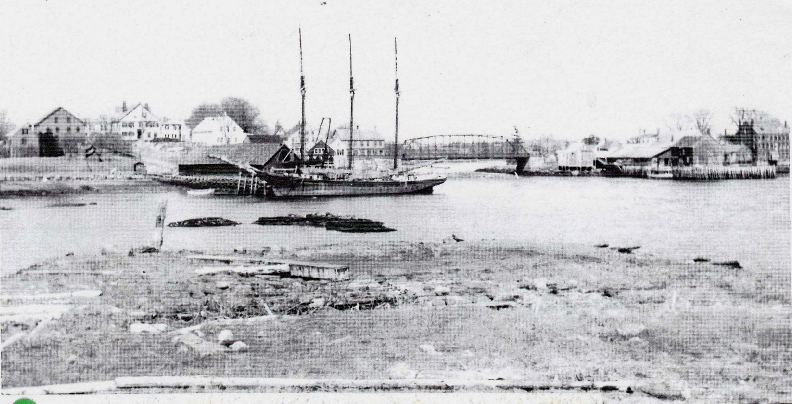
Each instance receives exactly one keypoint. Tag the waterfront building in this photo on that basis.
(218, 130)
(766, 137)
(576, 156)
(691, 150)
(196, 160)
(48, 136)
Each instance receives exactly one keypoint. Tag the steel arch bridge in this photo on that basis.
(459, 147)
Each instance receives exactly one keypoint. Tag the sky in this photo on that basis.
(565, 68)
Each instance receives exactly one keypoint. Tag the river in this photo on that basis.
(744, 220)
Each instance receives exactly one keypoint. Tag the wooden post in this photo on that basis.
(161, 222)
(239, 182)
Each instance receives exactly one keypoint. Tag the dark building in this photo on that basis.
(766, 137)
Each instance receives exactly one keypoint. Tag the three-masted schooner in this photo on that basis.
(337, 182)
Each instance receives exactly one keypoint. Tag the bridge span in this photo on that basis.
(467, 147)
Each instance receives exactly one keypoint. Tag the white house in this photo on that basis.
(138, 123)
(367, 144)
(218, 130)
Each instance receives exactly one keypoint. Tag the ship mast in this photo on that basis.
(302, 91)
(396, 142)
(351, 103)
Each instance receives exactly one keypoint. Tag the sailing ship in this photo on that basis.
(301, 182)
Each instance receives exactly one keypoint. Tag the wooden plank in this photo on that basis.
(73, 388)
(235, 258)
(181, 382)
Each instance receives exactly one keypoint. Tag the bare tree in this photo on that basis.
(702, 118)
(677, 122)
(5, 125)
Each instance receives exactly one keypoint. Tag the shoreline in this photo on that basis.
(472, 310)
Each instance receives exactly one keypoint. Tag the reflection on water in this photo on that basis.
(744, 220)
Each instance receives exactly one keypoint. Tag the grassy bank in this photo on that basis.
(465, 311)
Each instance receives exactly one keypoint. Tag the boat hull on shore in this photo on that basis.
(288, 187)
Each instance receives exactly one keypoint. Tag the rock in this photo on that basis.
(185, 316)
(226, 337)
(442, 290)
(666, 390)
(631, 330)
(402, 370)
(305, 299)
(318, 302)
(500, 305)
(72, 359)
(239, 346)
(507, 297)
(222, 285)
(199, 345)
(139, 328)
(204, 222)
(429, 349)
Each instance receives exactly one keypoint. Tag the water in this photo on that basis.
(725, 220)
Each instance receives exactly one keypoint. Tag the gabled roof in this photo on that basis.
(53, 113)
(212, 123)
(124, 115)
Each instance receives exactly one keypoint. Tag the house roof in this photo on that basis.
(360, 134)
(264, 139)
(638, 150)
(212, 123)
(129, 111)
(250, 153)
(53, 113)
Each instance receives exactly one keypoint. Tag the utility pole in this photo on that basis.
(396, 142)
(302, 91)
(351, 103)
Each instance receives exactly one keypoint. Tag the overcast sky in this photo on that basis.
(566, 68)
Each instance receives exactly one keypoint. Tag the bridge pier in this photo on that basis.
(521, 163)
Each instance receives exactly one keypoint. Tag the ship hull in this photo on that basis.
(279, 187)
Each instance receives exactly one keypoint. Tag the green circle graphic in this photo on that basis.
(24, 401)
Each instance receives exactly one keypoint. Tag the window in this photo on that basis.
(68, 120)
(22, 141)
(56, 119)
(68, 129)
(24, 131)
(77, 129)
(57, 129)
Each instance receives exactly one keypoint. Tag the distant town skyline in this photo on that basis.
(565, 69)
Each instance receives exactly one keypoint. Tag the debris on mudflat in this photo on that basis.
(204, 222)
(625, 250)
(328, 221)
(602, 245)
(731, 264)
(69, 205)
(700, 259)
(5, 208)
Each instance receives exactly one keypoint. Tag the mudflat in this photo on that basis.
(555, 315)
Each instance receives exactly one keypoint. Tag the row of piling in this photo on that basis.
(707, 172)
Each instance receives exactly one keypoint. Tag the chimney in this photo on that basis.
(123, 107)
(146, 106)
